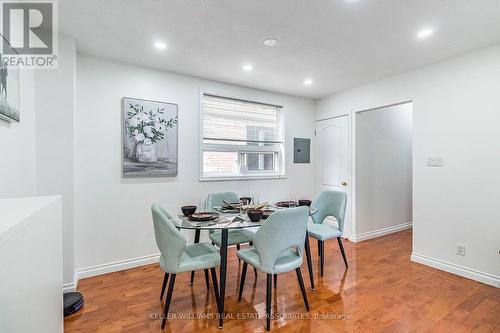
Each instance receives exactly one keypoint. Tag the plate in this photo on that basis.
(287, 204)
(204, 216)
(226, 210)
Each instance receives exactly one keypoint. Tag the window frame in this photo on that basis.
(278, 149)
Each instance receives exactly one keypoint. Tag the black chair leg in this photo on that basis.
(167, 302)
(216, 287)
(275, 280)
(268, 301)
(302, 288)
(206, 279)
(242, 280)
(165, 279)
(322, 257)
(237, 249)
(319, 248)
(342, 251)
(307, 247)
(196, 240)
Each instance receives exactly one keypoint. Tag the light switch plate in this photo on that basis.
(437, 162)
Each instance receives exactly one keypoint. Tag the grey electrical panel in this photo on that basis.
(301, 150)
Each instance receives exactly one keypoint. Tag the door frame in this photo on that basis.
(351, 194)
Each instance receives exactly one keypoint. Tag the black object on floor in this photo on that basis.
(73, 301)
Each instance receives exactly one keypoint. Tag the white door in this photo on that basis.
(332, 137)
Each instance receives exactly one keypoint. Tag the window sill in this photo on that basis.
(257, 177)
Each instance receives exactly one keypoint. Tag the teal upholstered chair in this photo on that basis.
(278, 248)
(328, 203)
(177, 257)
(234, 236)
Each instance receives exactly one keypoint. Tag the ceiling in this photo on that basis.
(339, 44)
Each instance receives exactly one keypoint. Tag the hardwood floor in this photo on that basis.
(381, 291)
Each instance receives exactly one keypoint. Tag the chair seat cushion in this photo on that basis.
(286, 262)
(234, 236)
(323, 231)
(194, 257)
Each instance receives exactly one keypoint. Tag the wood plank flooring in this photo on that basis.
(381, 291)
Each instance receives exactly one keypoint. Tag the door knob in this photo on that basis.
(344, 183)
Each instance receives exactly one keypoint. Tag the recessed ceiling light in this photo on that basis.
(425, 33)
(271, 42)
(160, 45)
(308, 82)
(247, 67)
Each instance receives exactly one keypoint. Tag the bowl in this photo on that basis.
(188, 210)
(255, 214)
(305, 202)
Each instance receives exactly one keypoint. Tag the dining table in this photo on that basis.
(226, 221)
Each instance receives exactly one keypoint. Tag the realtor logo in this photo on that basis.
(29, 31)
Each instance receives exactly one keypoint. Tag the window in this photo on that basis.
(240, 138)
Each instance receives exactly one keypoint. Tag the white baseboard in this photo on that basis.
(380, 232)
(71, 286)
(457, 269)
(121, 265)
(117, 266)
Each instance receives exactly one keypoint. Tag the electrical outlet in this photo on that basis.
(435, 162)
(460, 249)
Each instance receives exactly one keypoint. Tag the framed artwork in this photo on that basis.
(149, 138)
(9, 91)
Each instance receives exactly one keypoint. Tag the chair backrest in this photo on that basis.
(170, 241)
(330, 203)
(216, 199)
(284, 229)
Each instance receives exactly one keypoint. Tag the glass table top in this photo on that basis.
(230, 220)
(225, 221)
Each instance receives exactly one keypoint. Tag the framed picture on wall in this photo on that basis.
(9, 90)
(149, 138)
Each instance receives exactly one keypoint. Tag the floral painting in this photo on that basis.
(149, 138)
(9, 92)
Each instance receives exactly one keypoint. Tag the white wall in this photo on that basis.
(54, 140)
(383, 170)
(455, 115)
(31, 265)
(112, 214)
(17, 144)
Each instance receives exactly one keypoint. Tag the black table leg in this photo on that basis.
(309, 262)
(196, 240)
(223, 268)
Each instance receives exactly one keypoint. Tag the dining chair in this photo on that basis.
(328, 203)
(278, 248)
(235, 236)
(177, 257)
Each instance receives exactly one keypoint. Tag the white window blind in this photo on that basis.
(241, 138)
(240, 122)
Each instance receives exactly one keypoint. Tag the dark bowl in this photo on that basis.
(188, 210)
(246, 200)
(305, 202)
(255, 214)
